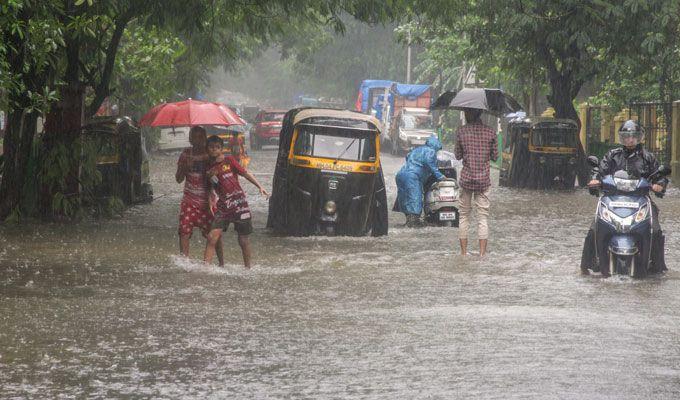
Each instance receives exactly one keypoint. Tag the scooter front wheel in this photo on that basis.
(625, 265)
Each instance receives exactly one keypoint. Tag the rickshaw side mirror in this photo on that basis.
(593, 161)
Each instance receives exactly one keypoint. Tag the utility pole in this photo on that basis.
(408, 58)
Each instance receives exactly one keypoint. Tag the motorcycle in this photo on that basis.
(623, 228)
(441, 198)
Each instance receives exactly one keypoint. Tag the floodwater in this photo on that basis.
(107, 310)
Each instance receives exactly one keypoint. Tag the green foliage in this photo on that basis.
(30, 39)
(144, 67)
(340, 63)
(568, 40)
(651, 69)
(319, 61)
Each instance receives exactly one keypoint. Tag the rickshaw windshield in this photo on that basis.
(553, 137)
(335, 142)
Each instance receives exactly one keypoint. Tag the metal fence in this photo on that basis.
(599, 134)
(656, 118)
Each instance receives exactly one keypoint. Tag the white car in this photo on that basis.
(174, 138)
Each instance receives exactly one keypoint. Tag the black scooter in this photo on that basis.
(623, 229)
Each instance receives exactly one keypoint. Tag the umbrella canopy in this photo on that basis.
(493, 101)
(189, 113)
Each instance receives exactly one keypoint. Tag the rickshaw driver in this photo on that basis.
(633, 158)
(421, 163)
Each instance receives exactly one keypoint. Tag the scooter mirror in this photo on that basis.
(664, 170)
(593, 161)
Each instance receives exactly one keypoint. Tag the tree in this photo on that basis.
(340, 61)
(30, 37)
(70, 46)
(570, 40)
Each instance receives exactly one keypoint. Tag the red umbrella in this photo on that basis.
(189, 113)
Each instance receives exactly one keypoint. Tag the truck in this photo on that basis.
(384, 99)
(410, 128)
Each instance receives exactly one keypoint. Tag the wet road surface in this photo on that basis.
(107, 310)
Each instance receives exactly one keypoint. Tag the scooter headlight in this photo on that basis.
(604, 213)
(330, 207)
(642, 214)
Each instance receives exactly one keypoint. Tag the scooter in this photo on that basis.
(441, 198)
(623, 229)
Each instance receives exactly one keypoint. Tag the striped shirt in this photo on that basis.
(476, 145)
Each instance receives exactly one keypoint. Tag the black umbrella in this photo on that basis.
(493, 101)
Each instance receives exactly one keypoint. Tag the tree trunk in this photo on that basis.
(62, 127)
(63, 124)
(21, 123)
(563, 93)
(17, 144)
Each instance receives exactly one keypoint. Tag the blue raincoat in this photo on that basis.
(421, 163)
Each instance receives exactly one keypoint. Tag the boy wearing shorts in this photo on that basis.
(232, 207)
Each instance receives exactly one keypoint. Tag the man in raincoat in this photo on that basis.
(421, 163)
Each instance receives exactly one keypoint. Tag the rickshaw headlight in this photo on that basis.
(541, 160)
(572, 161)
(330, 207)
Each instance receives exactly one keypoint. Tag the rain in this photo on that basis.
(343, 300)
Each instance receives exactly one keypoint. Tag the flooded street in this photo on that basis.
(108, 310)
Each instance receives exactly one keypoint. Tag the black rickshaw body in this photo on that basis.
(328, 177)
(540, 153)
(121, 159)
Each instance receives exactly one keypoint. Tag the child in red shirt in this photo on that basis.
(232, 207)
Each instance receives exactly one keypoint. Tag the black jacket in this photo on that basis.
(637, 162)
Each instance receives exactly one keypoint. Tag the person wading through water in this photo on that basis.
(476, 146)
(194, 208)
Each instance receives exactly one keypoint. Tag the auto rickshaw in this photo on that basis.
(328, 178)
(234, 141)
(540, 153)
(122, 159)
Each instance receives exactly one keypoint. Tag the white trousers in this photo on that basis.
(481, 203)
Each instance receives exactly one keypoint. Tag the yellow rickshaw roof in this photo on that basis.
(539, 120)
(339, 114)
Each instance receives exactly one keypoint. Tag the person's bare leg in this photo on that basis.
(482, 247)
(213, 238)
(244, 242)
(482, 204)
(464, 207)
(219, 249)
(184, 241)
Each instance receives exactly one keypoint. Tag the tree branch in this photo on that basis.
(102, 90)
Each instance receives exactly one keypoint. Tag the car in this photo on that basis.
(174, 138)
(266, 128)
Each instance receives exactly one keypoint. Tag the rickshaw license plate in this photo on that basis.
(447, 216)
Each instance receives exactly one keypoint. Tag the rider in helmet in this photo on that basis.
(639, 162)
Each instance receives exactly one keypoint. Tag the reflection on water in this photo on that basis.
(106, 309)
